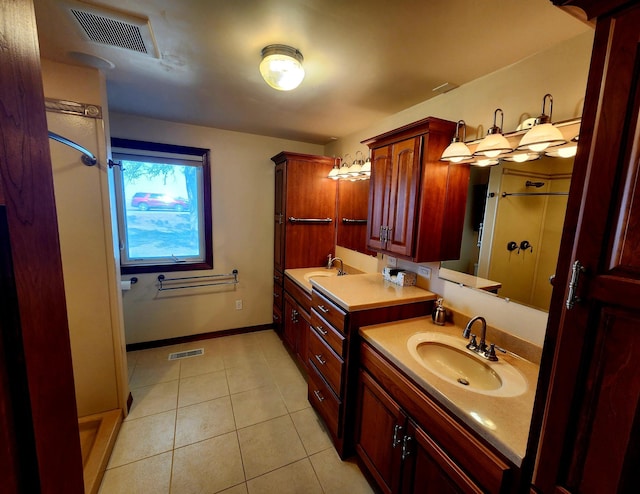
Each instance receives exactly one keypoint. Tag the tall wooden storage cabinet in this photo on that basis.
(416, 202)
(591, 428)
(304, 218)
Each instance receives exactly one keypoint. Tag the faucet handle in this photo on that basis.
(491, 352)
(473, 344)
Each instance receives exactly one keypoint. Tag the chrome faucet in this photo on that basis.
(331, 260)
(481, 348)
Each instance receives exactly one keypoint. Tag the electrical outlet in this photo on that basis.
(425, 271)
(238, 304)
(392, 262)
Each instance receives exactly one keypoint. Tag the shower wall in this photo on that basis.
(86, 241)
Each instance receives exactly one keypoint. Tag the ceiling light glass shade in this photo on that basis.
(494, 144)
(281, 67)
(543, 134)
(457, 151)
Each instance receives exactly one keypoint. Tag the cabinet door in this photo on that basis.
(291, 322)
(379, 190)
(311, 196)
(591, 432)
(405, 184)
(431, 469)
(393, 193)
(279, 216)
(379, 432)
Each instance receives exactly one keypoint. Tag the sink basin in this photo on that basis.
(320, 273)
(447, 357)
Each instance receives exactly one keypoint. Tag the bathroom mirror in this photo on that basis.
(351, 223)
(512, 230)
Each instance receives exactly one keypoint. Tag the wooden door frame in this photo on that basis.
(38, 397)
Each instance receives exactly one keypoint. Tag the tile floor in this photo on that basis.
(235, 420)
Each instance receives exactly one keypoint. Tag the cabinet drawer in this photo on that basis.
(324, 401)
(328, 310)
(326, 361)
(332, 337)
(301, 296)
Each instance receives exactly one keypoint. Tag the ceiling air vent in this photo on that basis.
(115, 28)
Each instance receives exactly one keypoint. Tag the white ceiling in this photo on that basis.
(364, 59)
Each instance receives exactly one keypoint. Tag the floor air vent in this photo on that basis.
(187, 354)
(115, 28)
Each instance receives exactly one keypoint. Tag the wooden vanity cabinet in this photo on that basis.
(332, 360)
(297, 320)
(409, 444)
(416, 202)
(304, 218)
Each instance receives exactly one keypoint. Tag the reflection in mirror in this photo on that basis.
(513, 226)
(351, 224)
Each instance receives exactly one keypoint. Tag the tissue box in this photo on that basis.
(399, 276)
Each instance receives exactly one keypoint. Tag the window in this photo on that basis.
(163, 195)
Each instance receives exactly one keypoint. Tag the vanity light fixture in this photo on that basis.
(281, 67)
(366, 168)
(344, 168)
(356, 166)
(333, 174)
(521, 157)
(494, 144)
(485, 162)
(543, 134)
(457, 151)
(565, 151)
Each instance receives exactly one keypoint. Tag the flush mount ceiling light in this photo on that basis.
(457, 151)
(281, 67)
(494, 144)
(543, 134)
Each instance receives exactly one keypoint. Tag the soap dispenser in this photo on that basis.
(439, 313)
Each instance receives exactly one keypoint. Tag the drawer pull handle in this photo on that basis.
(320, 359)
(323, 308)
(322, 331)
(294, 315)
(405, 447)
(276, 295)
(276, 278)
(396, 440)
(318, 395)
(276, 317)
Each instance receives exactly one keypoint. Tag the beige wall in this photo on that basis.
(242, 200)
(518, 90)
(88, 263)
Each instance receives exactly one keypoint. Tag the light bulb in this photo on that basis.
(539, 147)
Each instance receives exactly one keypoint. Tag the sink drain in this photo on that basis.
(462, 380)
